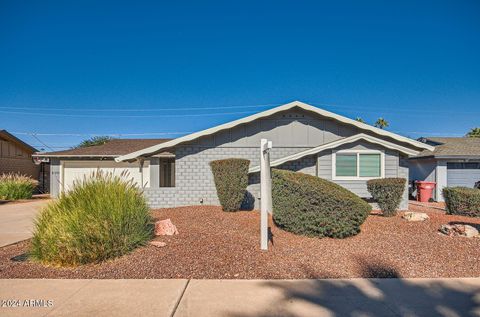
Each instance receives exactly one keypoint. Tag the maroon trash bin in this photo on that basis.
(424, 190)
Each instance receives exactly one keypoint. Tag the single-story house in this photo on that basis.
(453, 162)
(305, 138)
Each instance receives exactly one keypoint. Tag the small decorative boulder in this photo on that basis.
(158, 244)
(165, 228)
(459, 230)
(415, 216)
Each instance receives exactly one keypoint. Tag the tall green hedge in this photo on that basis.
(462, 201)
(388, 193)
(312, 206)
(231, 181)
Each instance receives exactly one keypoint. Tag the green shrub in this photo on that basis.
(16, 186)
(102, 217)
(462, 201)
(231, 181)
(388, 193)
(312, 206)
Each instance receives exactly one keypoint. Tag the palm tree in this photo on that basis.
(474, 133)
(381, 123)
(359, 120)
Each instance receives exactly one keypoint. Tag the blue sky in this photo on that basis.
(140, 67)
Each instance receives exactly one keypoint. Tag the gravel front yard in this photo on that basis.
(216, 244)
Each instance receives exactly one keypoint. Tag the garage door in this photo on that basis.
(74, 171)
(463, 174)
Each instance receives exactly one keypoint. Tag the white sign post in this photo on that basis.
(265, 191)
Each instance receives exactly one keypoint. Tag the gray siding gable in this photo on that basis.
(295, 128)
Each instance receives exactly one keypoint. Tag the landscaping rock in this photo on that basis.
(158, 244)
(165, 228)
(415, 216)
(459, 230)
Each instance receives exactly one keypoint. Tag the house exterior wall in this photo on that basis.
(194, 183)
(395, 166)
(290, 133)
(15, 159)
(433, 170)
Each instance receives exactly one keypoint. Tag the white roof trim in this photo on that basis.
(334, 144)
(155, 148)
(70, 155)
(96, 155)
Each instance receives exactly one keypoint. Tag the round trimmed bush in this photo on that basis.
(231, 181)
(388, 193)
(312, 206)
(102, 217)
(462, 201)
(16, 186)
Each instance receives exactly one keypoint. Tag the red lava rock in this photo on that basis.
(215, 243)
(158, 244)
(165, 228)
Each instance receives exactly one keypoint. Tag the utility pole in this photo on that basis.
(265, 191)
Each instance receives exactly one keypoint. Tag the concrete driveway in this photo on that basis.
(241, 298)
(16, 220)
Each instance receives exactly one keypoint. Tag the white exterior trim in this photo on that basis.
(334, 144)
(91, 156)
(68, 156)
(155, 148)
(358, 177)
(441, 173)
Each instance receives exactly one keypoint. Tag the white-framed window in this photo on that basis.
(358, 164)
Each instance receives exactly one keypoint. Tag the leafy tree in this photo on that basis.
(359, 120)
(96, 140)
(474, 133)
(381, 123)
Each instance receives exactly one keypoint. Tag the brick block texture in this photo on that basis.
(194, 179)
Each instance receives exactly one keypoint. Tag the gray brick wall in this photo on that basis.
(161, 197)
(194, 179)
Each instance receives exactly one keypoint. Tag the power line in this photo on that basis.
(138, 110)
(189, 108)
(34, 136)
(397, 109)
(99, 134)
(125, 116)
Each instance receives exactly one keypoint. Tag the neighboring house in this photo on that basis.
(453, 162)
(16, 156)
(305, 138)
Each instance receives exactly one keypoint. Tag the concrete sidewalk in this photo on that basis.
(16, 220)
(348, 297)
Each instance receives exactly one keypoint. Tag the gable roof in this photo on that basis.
(112, 148)
(155, 148)
(451, 147)
(337, 143)
(4, 134)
